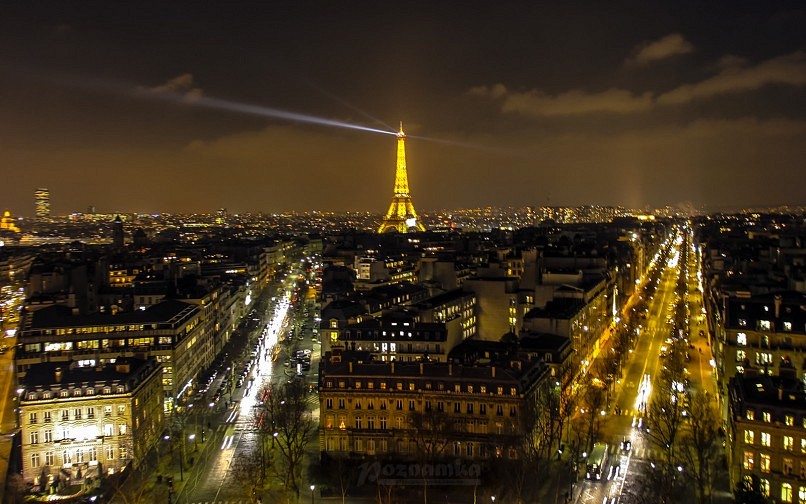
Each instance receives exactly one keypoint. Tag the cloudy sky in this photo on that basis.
(190, 106)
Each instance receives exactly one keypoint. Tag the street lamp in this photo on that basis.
(313, 487)
(492, 498)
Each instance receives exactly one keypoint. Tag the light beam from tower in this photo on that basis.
(401, 216)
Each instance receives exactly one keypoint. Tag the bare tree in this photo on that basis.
(593, 398)
(699, 444)
(288, 408)
(664, 426)
(337, 473)
(531, 444)
(135, 484)
(250, 470)
(433, 432)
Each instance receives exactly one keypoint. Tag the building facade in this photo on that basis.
(767, 436)
(763, 334)
(86, 422)
(409, 410)
(173, 332)
(42, 203)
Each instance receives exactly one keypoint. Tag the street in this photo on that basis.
(212, 478)
(628, 467)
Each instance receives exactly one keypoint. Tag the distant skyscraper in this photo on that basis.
(401, 216)
(221, 216)
(42, 203)
(117, 232)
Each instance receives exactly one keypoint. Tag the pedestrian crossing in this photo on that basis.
(646, 453)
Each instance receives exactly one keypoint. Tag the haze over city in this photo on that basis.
(505, 103)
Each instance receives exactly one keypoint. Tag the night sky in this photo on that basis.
(120, 105)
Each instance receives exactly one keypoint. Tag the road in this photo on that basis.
(632, 392)
(635, 390)
(212, 478)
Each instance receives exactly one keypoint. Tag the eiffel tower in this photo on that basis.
(401, 216)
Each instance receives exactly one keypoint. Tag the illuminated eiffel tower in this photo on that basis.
(401, 216)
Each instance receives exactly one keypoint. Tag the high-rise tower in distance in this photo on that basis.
(42, 203)
(401, 216)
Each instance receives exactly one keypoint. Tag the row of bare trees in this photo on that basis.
(682, 423)
(284, 429)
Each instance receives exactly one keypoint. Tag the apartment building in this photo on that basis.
(767, 436)
(173, 332)
(405, 410)
(85, 422)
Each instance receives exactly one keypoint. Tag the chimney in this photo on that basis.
(493, 371)
(122, 367)
(58, 375)
(450, 369)
(778, 299)
(780, 392)
(393, 367)
(350, 366)
(421, 368)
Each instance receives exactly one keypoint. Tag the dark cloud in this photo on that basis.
(182, 86)
(529, 104)
(666, 47)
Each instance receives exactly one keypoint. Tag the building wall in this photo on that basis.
(183, 346)
(393, 415)
(83, 430)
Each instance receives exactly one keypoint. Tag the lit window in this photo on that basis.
(786, 492)
(787, 326)
(789, 443)
(764, 486)
(766, 416)
(741, 339)
(740, 355)
(748, 462)
(764, 324)
(765, 439)
(751, 415)
(765, 463)
(789, 420)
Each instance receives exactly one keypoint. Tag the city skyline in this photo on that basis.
(165, 109)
